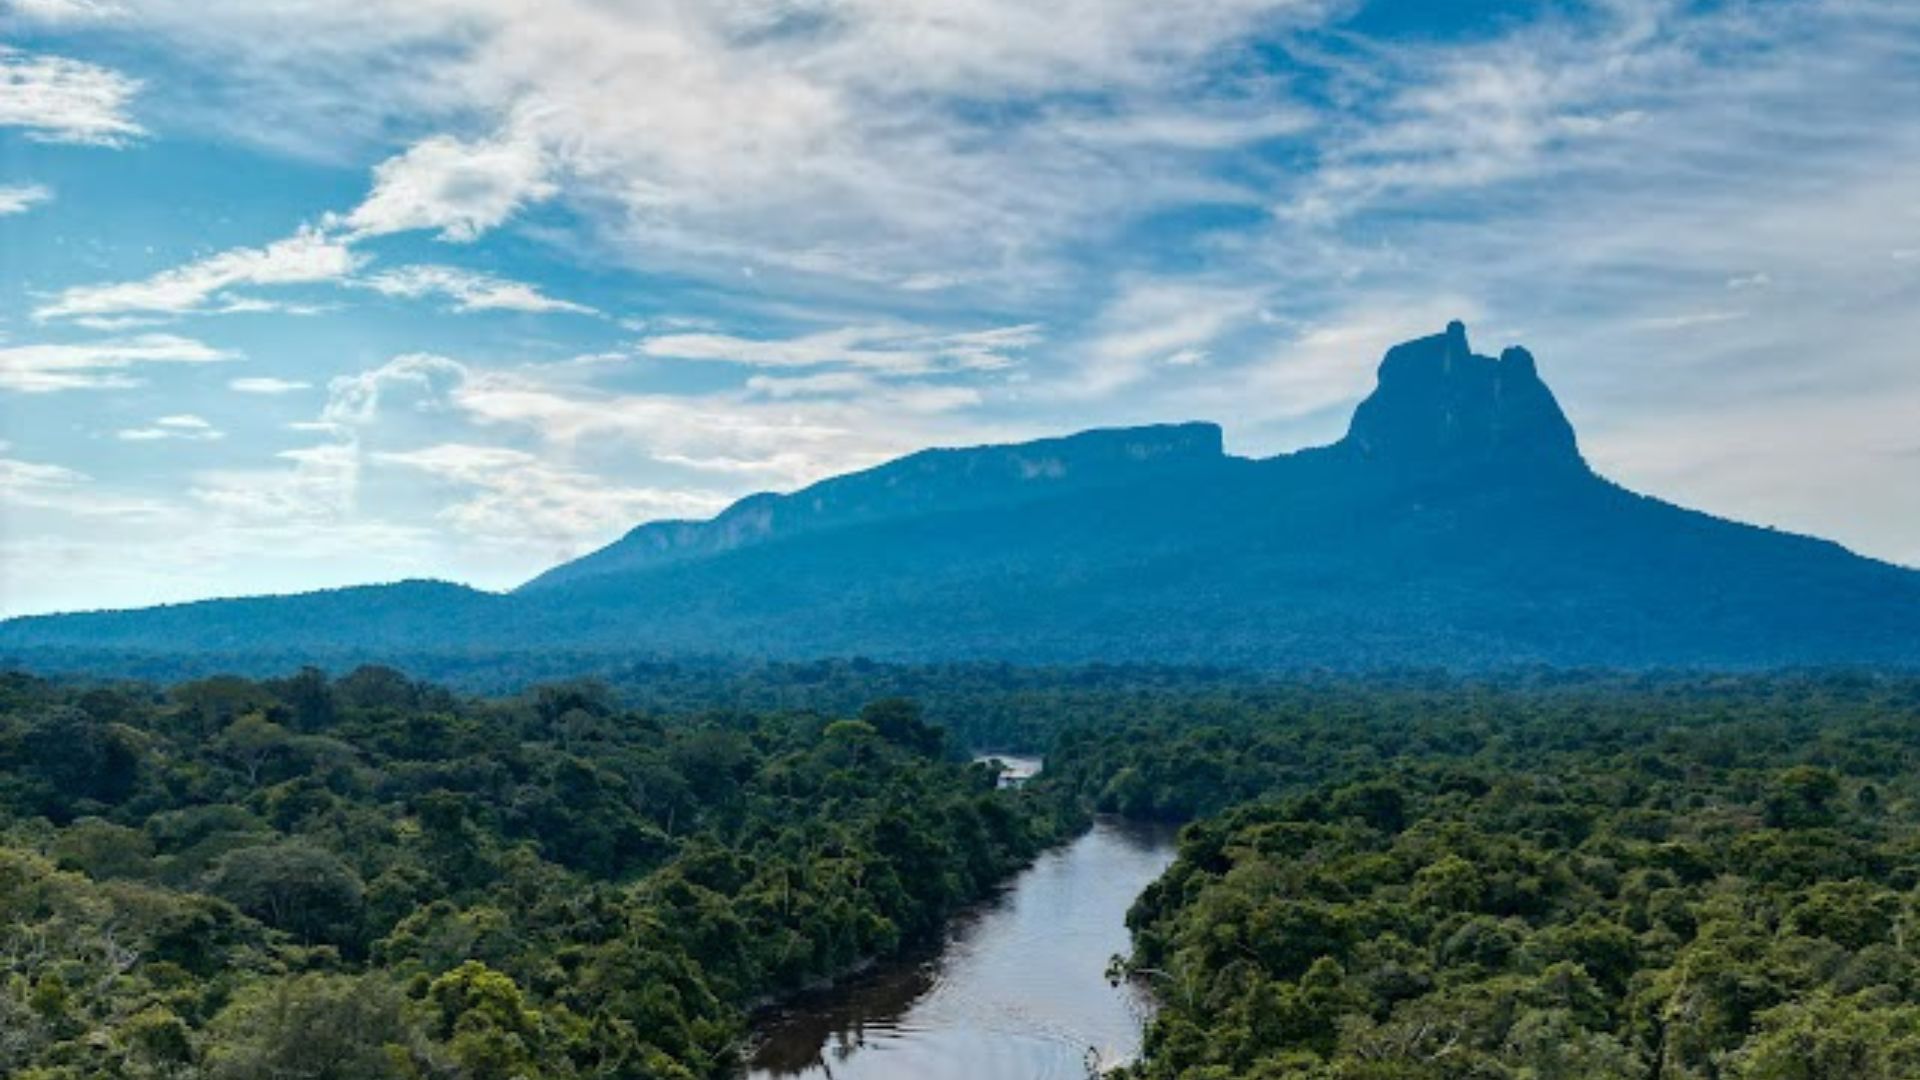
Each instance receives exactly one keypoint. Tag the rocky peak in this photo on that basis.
(1440, 408)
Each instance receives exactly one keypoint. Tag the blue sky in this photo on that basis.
(297, 293)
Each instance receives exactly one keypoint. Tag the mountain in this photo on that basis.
(931, 481)
(1456, 524)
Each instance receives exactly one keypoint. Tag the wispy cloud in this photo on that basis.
(469, 291)
(308, 486)
(1155, 323)
(715, 135)
(19, 198)
(21, 480)
(62, 12)
(56, 99)
(184, 426)
(38, 485)
(99, 365)
(307, 257)
(357, 399)
(1687, 320)
(459, 201)
(885, 349)
(266, 384)
(512, 496)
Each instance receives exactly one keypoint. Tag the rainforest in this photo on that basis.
(1420, 876)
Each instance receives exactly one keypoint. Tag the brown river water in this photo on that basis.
(1017, 991)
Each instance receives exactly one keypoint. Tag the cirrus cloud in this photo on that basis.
(19, 198)
(308, 256)
(266, 384)
(98, 365)
(468, 290)
(57, 99)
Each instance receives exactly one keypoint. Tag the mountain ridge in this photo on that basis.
(1456, 524)
(1057, 463)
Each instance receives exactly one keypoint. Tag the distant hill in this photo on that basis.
(1455, 525)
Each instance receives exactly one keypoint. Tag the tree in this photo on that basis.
(250, 742)
(487, 1025)
(79, 758)
(311, 1027)
(900, 722)
(1802, 798)
(101, 850)
(295, 887)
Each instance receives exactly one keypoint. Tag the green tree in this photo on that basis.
(312, 1027)
(305, 890)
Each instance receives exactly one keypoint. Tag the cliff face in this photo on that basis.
(1440, 408)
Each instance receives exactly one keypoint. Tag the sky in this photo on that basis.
(297, 294)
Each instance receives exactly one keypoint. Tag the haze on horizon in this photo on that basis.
(299, 295)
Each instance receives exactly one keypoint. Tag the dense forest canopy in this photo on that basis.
(370, 877)
(1414, 877)
(1686, 882)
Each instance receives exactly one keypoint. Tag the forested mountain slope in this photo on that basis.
(1456, 525)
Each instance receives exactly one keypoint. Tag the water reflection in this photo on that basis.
(1017, 992)
(1015, 769)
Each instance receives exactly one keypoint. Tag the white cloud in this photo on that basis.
(458, 189)
(66, 11)
(96, 365)
(838, 142)
(114, 324)
(883, 397)
(32, 485)
(514, 496)
(25, 479)
(183, 426)
(56, 99)
(884, 349)
(357, 399)
(468, 290)
(1188, 128)
(823, 384)
(267, 385)
(317, 485)
(1446, 117)
(1151, 324)
(19, 198)
(767, 434)
(308, 256)
(1687, 320)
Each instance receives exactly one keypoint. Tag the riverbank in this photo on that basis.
(1016, 990)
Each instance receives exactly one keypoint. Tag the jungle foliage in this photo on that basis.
(1697, 879)
(370, 877)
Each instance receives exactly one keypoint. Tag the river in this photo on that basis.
(1018, 990)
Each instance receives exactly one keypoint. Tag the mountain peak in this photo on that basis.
(1440, 407)
(1454, 525)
